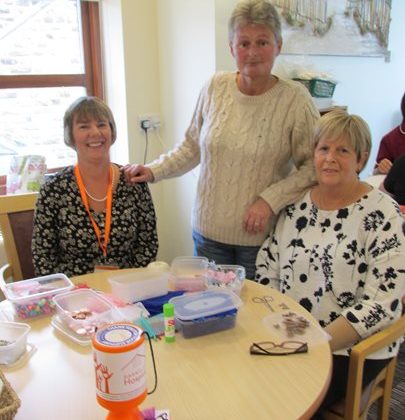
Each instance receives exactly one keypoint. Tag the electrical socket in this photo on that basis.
(148, 121)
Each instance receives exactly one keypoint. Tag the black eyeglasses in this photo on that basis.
(268, 348)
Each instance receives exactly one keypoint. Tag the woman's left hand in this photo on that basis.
(257, 216)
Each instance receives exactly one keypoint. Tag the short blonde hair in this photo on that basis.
(337, 124)
(87, 107)
(255, 12)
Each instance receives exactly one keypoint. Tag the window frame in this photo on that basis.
(91, 79)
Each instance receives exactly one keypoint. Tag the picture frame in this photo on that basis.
(335, 27)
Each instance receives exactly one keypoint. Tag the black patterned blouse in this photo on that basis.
(64, 240)
(348, 262)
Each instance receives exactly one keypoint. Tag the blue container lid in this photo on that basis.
(204, 304)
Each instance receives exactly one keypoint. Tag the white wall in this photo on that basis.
(131, 67)
(369, 86)
(114, 75)
(187, 59)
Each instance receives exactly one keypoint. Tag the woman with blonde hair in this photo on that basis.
(339, 250)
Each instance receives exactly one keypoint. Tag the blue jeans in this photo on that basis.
(226, 254)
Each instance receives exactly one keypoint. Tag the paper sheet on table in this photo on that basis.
(313, 334)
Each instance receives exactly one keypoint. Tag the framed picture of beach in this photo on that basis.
(335, 27)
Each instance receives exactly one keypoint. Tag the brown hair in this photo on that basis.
(87, 107)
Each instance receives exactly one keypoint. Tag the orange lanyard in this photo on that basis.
(107, 228)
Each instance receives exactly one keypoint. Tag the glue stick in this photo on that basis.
(168, 313)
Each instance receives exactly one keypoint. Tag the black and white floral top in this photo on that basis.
(64, 240)
(348, 262)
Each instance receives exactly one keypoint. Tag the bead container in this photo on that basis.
(205, 312)
(33, 297)
(13, 341)
(139, 285)
(83, 310)
(226, 277)
(188, 274)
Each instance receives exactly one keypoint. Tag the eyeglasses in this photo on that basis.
(268, 348)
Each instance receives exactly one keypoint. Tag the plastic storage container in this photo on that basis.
(206, 312)
(13, 341)
(188, 274)
(34, 297)
(83, 310)
(226, 277)
(139, 285)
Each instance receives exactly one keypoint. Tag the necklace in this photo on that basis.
(400, 129)
(100, 200)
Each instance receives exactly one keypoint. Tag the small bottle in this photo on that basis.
(168, 314)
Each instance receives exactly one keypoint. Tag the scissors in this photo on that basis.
(265, 300)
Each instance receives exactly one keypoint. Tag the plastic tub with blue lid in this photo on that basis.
(206, 312)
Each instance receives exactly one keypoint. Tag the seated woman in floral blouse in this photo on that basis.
(87, 216)
(340, 250)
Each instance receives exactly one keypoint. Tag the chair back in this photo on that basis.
(16, 224)
(359, 400)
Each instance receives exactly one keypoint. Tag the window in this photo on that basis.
(51, 55)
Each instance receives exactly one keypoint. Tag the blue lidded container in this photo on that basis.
(206, 312)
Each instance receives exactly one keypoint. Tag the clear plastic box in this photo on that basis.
(34, 297)
(206, 312)
(83, 310)
(226, 277)
(13, 341)
(139, 285)
(188, 274)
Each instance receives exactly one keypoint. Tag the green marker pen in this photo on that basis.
(168, 313)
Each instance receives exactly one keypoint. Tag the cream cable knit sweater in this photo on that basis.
(244, 145)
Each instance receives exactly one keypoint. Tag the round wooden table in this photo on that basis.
(208, 377)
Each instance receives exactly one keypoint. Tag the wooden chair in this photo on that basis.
(16, 224)
(358, 400)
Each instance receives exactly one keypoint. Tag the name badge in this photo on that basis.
(100, 267)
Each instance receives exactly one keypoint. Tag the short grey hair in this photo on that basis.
(337, 124)
(86, 108)
(255, 12)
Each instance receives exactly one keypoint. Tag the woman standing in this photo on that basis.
(248, 131)
(87, 217)
(339, 250)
